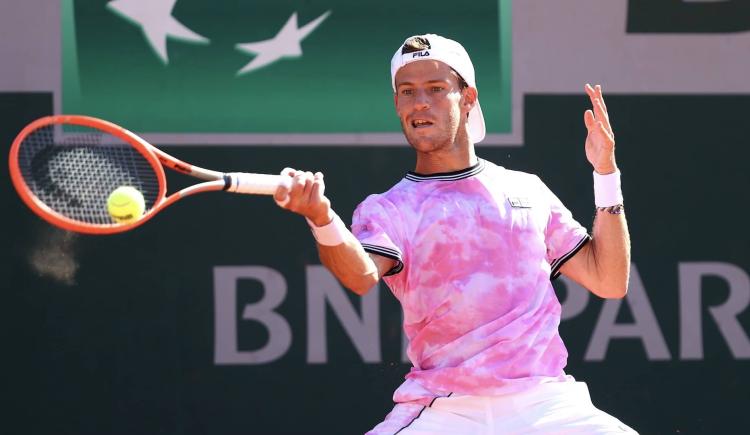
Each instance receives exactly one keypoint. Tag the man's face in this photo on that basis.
(430, 104)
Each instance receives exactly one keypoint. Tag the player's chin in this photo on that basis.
(423, 145)
(421, 139)
(423, 142)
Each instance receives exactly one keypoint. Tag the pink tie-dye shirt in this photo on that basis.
(476, 250)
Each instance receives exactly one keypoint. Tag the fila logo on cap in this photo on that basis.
(420, 54)
(420, 43)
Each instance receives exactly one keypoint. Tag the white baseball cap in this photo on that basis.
(455, 56)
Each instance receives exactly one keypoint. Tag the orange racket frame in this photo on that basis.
(259, 184)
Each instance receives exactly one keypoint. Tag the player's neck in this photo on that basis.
(451, 160)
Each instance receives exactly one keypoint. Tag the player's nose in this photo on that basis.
(421, 101)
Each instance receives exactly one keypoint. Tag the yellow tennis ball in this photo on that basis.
(125, 204)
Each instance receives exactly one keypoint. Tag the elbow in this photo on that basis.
(362, 285)
(614, 285)
(360, 290)
(617, 293)
(612, 289)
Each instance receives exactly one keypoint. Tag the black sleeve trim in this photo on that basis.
(388, 253)
(557, 264)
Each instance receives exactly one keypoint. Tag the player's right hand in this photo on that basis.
(305, 196)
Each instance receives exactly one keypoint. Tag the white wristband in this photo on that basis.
(331, 234)
(607, 191)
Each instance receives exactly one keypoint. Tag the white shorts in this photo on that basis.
(550, 408)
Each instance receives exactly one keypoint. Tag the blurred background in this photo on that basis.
(216, 316)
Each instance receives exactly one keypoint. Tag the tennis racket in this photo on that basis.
(64, 167)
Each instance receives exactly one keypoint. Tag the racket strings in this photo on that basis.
(73, 171)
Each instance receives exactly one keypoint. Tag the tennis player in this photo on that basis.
(469, 248)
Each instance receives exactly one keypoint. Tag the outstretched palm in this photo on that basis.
(600, 141)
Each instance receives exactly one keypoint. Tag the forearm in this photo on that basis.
(339, 250)
(609, 254)
(351, 265)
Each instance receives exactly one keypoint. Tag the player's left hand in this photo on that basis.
(600, 141)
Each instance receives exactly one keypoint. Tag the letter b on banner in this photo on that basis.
(225, 299)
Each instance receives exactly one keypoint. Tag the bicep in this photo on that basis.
(577, 266)
(357, 269)
(581, 268)
(383, 264)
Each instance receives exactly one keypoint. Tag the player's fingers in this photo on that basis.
(598, 109)
(318, 187)
(281, 196)
(319, 178)
(290, 172)
(589, 90)
(588, 119)
(315, 195)
(601, 98)
(600, 128)
(297, 187)
(595, 93)
(600, 113)
(308, 185)
(283, 189)
(298, 184)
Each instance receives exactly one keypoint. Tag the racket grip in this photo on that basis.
(255, 184)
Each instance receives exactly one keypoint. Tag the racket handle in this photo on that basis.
(255, 184)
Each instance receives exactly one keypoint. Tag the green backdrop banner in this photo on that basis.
(264, 67)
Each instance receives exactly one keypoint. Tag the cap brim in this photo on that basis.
(477, 130)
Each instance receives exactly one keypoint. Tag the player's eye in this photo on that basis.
(407, 91)
(437, 89)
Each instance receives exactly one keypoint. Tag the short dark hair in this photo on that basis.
(461, 82)
(419, 43)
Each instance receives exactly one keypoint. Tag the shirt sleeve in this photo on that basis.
(375, 225)
(563, 235)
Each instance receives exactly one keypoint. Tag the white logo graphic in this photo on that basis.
(286, 43)
(156, 20)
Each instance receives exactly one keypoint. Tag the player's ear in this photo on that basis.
(469, 97)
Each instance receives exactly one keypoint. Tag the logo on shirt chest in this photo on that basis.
(519, 201)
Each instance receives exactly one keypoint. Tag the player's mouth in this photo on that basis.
(420, 123)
